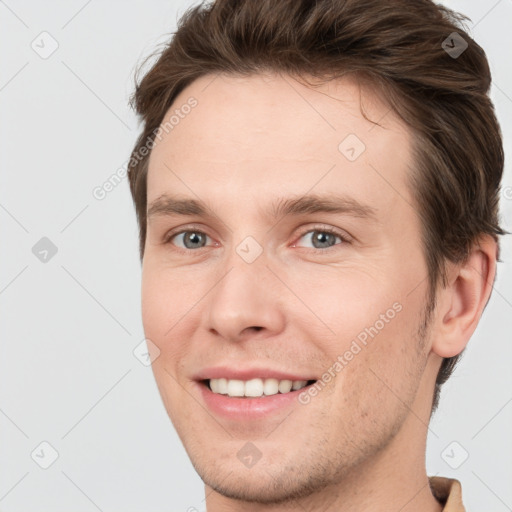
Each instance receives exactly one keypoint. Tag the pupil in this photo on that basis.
(194, 238)
(323, 238)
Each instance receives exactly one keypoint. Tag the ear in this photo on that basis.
(462, 302)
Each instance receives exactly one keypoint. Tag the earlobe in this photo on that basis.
(464, 299)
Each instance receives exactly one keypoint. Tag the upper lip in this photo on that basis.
(229, 372)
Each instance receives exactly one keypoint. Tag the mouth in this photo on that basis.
(254, 388)
(244, 394)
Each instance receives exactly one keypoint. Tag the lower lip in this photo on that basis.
(240, 409)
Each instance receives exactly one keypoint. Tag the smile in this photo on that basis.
(254, 388)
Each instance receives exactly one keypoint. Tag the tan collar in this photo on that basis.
(448, 492)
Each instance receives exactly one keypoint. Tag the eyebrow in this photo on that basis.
(167, 205)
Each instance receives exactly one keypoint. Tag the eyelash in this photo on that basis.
(321, 229)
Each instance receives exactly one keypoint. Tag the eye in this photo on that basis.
(188, 240)
(323, 238)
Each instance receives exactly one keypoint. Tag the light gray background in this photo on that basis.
(69, 326)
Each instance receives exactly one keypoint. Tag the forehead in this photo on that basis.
(261, 132)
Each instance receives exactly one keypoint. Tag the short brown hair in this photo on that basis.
(397, 47)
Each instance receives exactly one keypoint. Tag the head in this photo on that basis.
(255, 115)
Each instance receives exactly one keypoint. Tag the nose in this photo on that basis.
(245, 301)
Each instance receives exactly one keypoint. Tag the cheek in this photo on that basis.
(373, 320)
(154, 307)
(377, 387)
(162, 308)
(388, 369)
(345, 302)
(167, 296)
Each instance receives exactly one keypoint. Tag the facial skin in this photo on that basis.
(360, 443)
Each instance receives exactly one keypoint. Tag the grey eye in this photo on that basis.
(191, 239)
(321, 239)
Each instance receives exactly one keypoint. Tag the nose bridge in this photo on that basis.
(244, 267)
(243, 296)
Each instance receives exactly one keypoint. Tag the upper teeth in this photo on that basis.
(254, 387)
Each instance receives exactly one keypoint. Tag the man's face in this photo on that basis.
(241, 293)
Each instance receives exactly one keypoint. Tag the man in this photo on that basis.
(316, 187)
